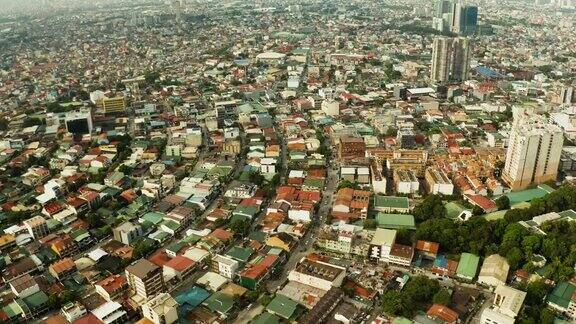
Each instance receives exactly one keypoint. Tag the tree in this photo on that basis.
(347, 184)
(442, 297)
(370, 223)
(396, 303)
(503, 202)
(240, 227)
(477, 211)
(430, 207)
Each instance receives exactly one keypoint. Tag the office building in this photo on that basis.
(505, 307)
(457, 16)
(161, 309)
(450, 59)
(470, 25)
(79, 122)
(37, 227)
(145, 278)
(113, 105)
(443, 7)
(534, 152)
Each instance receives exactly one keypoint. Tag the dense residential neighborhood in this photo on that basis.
(287, 162)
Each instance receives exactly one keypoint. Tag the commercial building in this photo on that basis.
(534, 152)
(316, 273)
(438, 182)
(145, 278)
(390, 204)
(494, 271)
(37, 227)
(450, 59)
(505, 307)
(113, 105)
(79, 122)
(351, 147)
(161, 309)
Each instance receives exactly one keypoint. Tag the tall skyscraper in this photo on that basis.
(470, 14)
(534, 151)
(450, 59)
(457, 25)
(443, 7)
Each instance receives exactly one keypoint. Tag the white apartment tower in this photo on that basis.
(533, 152)
(450, 59)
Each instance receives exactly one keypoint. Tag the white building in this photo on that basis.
(110, 313)
(533, 152)
(318, 274)
(225, 266)
(161, 309)
(505, 307)
(494, 271)
(381, 244)
(406, 182)
(331, 107)
(438, 182)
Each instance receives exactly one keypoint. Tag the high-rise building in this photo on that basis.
(534, 151)
(470, 14)
(145, 278)
(450, 59)
(443, 7)
(457, 23)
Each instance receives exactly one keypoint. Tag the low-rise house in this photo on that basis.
(468, 266)
(113, 287)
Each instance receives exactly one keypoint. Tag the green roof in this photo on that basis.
(454, 209)
(562, 294)
(316, 183)
(153, 217)
(219, 302)
(568, 214)
(395, 221)
(240, 253)
(258, 236)
(12, 310)
(36, 300)
(496, 215)
(247, 210)
(468, 265)
(282, 306)
(391, 202)
(266, 318)
(172, 225)
(528, 195)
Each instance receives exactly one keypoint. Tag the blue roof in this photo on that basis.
(441, 261)
(192, 297)
(489, 73)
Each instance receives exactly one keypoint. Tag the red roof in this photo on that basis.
(180, 263)
(160, 258)
(221, 234)
(486, 204)
(426, 246)
(112, 283)
(88, 319)
(442, 312)
(259, 269)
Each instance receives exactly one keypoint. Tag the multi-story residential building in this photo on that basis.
(161, 309)
(505, 307)
(533, 153)
(450, 59)
(406, 182)
(113, 287)
(145, 278)
(317, 273)
(438, 182)
(127, 232)
(37, 227)
(225, 266)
